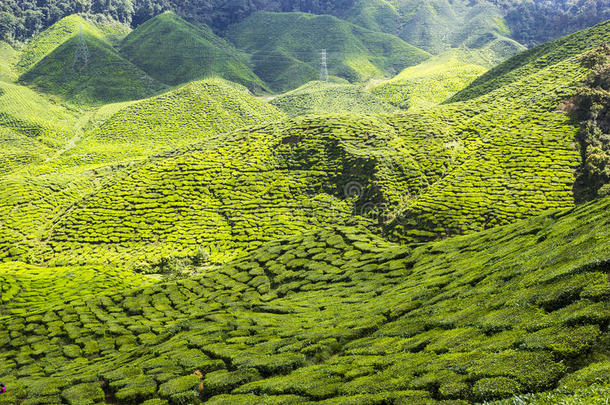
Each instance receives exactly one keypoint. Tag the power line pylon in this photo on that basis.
(324, 67)
(82, 50)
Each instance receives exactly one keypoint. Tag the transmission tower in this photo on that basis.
(324, 68)
(82, 50)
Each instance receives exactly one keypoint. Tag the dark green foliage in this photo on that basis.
(591, 107)
(286, 48)
(174, 51)
(105, 77)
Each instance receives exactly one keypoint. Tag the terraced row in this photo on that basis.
(339, 316)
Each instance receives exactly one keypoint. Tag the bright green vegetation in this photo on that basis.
(102, 77)
(27, 288)
(31, 126)
(535, 59)
(7, 57)
(179, 117)
(47, 41)
(286, 48)
(429, 83)
(326, 98)
(34, 198)
(174, 51)
(340, 316)
(438, 25)
(418, 176)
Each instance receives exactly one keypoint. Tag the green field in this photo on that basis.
(339, 316)
(409, 232)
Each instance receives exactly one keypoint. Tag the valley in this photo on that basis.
(216, 213)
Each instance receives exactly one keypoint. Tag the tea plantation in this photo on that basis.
(340, 316)
(412, 240)
(174, 51)
(431, 82)
(334, 97)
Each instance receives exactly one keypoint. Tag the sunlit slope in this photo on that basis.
(174, 51)
(87, 70)
(34, 198)
(535, 59)
(27, 288)
(413, 176)
(8, 56)
(32, 128)
(325, 98)
(178, 117)
(431, 82)
(286, 49)
(340, 316)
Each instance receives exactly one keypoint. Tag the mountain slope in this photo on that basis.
(289, 54)
(340, 316)
(431, 82)
(174, 51)
(414, 177)
(86, 70)
(533, 60)
(329, 98)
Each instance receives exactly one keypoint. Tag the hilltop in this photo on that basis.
(174, 51)
(289, 54)
(83, 68)
(340, 316)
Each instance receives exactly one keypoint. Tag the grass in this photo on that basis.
(326, 98)
(341, 316)
(286, 48)
(174, 51)
(429, 83)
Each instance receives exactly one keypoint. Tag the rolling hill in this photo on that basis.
(82, 67)
(286, 49)
(431, 82)
(329, 98)
(340, 316)
(47, 41)
(412, 177)
(174, 51)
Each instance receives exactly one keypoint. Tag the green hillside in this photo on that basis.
(438, 25)
(413, 177)
(429, 83)
(286, 49)
(340, 316)
(531, 61)
(174, 51)
(32, 127)
(34, 197)
(7, 57)
(47, 41)
(99, 76)
(329, 98)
